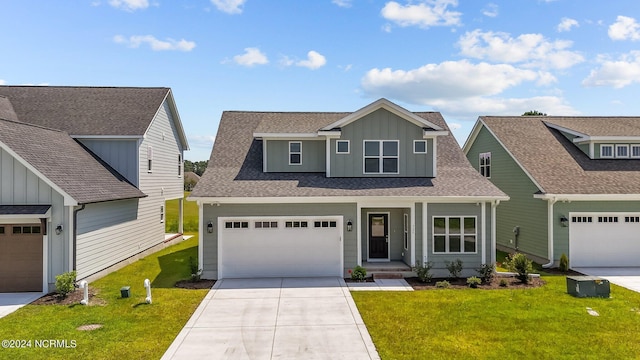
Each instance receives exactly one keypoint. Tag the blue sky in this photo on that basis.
(462, 58)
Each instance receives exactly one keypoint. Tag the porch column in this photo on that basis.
(412, 251)
(483, 234)
(359, 233)
(180, 215)
(425, 233)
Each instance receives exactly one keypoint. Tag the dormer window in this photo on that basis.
(635, 151)
(381, 156)
(295, 153)
(606, 151)
(622, 151)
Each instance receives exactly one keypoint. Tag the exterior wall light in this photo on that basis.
(564, 221)
(210, 227)
(59, 229)
(349, 225)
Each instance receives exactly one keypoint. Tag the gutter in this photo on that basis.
(550, 203)
(75, 234)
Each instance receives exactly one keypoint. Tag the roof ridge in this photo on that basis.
(86, 87)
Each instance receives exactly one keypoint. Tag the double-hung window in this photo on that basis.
(295, 153)
(485, 164)
(381, 157)
(454, 234)
(606, 151)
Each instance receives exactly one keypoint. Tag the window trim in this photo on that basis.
(482, 169)
(631, 147)
(149, 158)
(426, 151)
(162, 214)
(446, 234)
(380, 157)
(621, 146)
(348, 147)
(180, 166)
(295, 152)
(406, 231)
(602, 156)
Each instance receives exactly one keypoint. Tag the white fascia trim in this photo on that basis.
(606, 138)
(330, 134)
(107, 137)
(387, 105)
(6, 219)
(264, 155)
(533, 180)
(472, 136)
(68, 200)
(365, 201)
(579, 136)
(175, 116)
(589, 197)
(430, 134)
(287, 136)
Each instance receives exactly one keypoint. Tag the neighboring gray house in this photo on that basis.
(317, 193)
(84, 176)
(573, 183)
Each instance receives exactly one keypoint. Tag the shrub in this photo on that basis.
(454, 267)
(66, 283)
(196, 272)
(423, 271)
(564, 263)
(474, 281)
(444, 284)
(504, 283)
(487, 272)
(359, 273)
(519, 264)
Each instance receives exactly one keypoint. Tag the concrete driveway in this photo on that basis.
(628, 277)
(276, 318)
(10, 302)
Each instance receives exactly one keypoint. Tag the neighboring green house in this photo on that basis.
(573, 183)
(317, 193)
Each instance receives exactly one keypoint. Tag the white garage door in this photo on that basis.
(604, 239)
(280, 246)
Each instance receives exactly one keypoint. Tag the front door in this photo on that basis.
(378, 236)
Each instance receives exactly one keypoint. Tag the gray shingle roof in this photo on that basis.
(556, 164)
(6, 110)
(235, 166)
(87, 110)
(24, 209)
(62, 160)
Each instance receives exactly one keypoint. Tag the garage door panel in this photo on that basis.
(607, 240)
(281, 251)
(20, 259)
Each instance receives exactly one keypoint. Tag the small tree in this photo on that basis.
(534, 113)
(519, 264)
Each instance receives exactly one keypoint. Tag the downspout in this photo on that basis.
(550, 231)
(75, 234)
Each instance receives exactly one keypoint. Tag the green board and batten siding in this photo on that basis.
(522, 209)
(381, 125)
(313, 156)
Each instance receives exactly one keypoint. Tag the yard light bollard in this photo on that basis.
(85, 287)
(147, 285)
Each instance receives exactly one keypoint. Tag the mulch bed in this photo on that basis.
(195, 285)
(512, 283)
(72, 298)
(350, 280)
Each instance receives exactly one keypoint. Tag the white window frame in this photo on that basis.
(482, 168)
(295, 152)
(348, 147)
(406, 231)
(634, 146)
(622, 146)
(602, 152)
(381, 157)
(425, 147)
(462, 234)
(149, 159)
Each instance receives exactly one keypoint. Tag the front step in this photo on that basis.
(387, 275)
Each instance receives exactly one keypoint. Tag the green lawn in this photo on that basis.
(131, 329)
(538, 323)
(190, 215)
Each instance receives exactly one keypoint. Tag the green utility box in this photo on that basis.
(588, 286)
(125, 291)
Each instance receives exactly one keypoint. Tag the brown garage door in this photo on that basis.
(20, 258)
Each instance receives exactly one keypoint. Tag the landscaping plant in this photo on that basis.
(444, 284)
(518, 263)
(504, 283)
(487, 272)
(564, 263)
(196, 272)
(424, 271)
(66, 283)
(359, 273)
(474, 281)
(454, 267)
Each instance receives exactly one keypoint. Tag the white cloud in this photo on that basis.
(129, 5)
(566, 24)
(532, 50)
(462, 88)
(616, 73)
(314, 60)
(454, 126)
(625, 28)
(343, 3)
(423, 14)
(252, 56)
(3, 82)
(490, 10)
(229, 6)
(156, 45)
